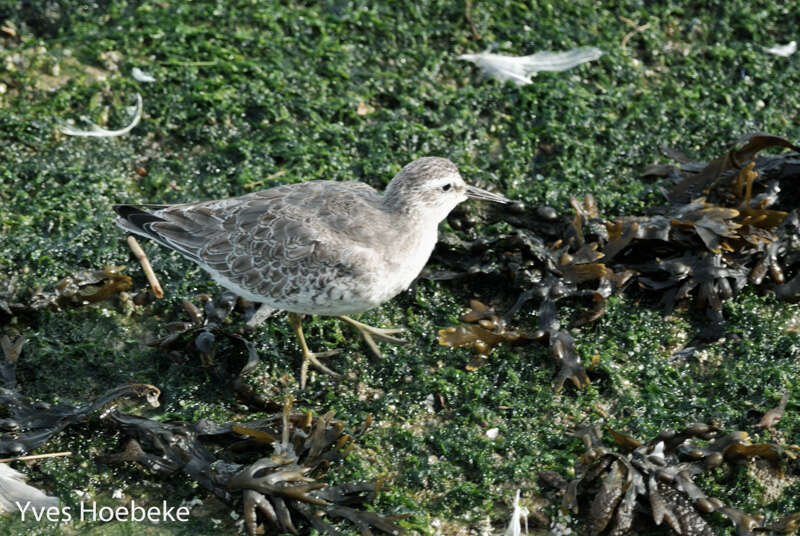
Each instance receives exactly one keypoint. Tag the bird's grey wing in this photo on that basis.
(183, 228)
(267, 242)
(279, 240)
(210, 230)
(345, 212)
(289, 239)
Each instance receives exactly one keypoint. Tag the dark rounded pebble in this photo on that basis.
(547, 213)
(539, 334)
(205, 342)
(143, 297)
(517, 207)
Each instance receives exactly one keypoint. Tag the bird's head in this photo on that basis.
(431, 187)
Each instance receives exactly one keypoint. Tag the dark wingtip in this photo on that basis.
(135, 216)
(125, 210)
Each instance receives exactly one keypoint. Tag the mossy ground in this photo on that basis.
(253, 94)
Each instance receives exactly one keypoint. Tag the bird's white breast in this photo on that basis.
(407, 265)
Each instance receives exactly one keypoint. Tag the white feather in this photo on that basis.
(515, 525)
(783, 50)
(97, 131)
(142, 76)
(521, 69)
(13, 490)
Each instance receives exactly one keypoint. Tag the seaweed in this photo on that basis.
(652, 483)
(483, 331)
(76, 290)
(28, 424)
(278, 489)
(728, 223)
(201, 336)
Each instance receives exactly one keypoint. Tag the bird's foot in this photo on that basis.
(312, 358)
(370, 333)
(309, 357)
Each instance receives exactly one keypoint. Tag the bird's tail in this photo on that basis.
(134, 219)
(159, 227)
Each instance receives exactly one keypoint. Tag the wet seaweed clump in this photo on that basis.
(76, 290)
(482, 331)
(202, 330)
(280, 490)
(27, 424)
(650, 484)
(727, 224)
(205, 334)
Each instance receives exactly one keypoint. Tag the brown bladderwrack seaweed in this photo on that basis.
(652, 483)
(28, 424)
(483, 331)
(722, 230)
(278, 489)
(202, 335)
(81, 288)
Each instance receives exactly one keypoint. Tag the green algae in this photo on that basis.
(246, 91)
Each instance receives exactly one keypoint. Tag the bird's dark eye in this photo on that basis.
(446, 187)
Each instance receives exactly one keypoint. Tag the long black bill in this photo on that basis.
(474, 192)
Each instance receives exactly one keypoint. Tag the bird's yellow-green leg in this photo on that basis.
(309, 357)
(371, 333)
